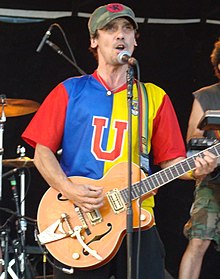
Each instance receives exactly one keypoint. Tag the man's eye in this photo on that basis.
(129, 27)
(111, 27)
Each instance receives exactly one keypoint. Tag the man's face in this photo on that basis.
(116, 36)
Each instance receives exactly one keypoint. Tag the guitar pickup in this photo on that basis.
(94, 217)
(116, 202)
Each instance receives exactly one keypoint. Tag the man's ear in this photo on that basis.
(219, 66)
(135, 43)
(93, 42)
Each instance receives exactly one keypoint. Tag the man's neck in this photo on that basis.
(113, 76)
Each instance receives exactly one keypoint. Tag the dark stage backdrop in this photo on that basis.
(175, 57)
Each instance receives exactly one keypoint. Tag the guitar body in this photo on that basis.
(106, 236)
(90, 240)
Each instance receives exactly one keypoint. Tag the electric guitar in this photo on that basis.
(89, 240)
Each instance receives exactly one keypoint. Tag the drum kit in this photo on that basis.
(14, 108)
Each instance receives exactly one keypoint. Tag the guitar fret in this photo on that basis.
(124, 195)
(148, 184)
(201, 155)
(142, 185)
(145, 185)
(175, 171)
(160, 178)
(185, 167)
(191, 162)
(169, 174)
(135, 191)
(188, 165)
(152, 180)
(138, 189)
(217, 153)
(181, 167)
(163, 176)
(157, 180)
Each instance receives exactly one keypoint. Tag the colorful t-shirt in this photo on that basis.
(91, 127)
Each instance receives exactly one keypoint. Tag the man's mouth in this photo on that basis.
(120, 47)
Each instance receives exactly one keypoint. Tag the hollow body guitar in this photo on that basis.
(90, 240)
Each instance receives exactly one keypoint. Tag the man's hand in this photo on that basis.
(205, 165)
(87, 197)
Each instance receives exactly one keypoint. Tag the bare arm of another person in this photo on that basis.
(87, 197)
(195, 116)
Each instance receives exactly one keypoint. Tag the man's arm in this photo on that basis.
(87, 197)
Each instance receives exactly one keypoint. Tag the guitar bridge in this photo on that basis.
(116, 201)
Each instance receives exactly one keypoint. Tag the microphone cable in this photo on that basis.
(66, 41)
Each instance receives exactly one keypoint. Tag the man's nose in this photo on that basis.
(120, 33)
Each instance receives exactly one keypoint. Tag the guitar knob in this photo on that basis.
(75, 256)
(143, 217)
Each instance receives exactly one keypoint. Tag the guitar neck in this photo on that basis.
(166, 175)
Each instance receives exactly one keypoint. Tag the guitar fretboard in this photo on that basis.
(166, 175)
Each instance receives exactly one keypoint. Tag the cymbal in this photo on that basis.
(18, 107)
(21, 162)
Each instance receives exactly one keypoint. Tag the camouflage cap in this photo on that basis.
(104, 14)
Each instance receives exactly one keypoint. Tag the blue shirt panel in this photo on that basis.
(87, 98)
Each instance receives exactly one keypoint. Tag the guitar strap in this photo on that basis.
(143, 118)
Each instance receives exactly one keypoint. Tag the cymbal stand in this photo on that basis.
(2, 121)
(21, 151)
(23, 222)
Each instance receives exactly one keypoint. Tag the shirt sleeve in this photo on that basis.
(47, 125)
(167, 140)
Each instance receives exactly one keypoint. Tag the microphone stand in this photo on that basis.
(130, 79)
(60, 52)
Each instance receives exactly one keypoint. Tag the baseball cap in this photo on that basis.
(104, 14)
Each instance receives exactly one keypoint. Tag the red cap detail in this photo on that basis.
(115, 8)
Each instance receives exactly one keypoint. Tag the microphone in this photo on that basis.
(45, 37)
(124, 57)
